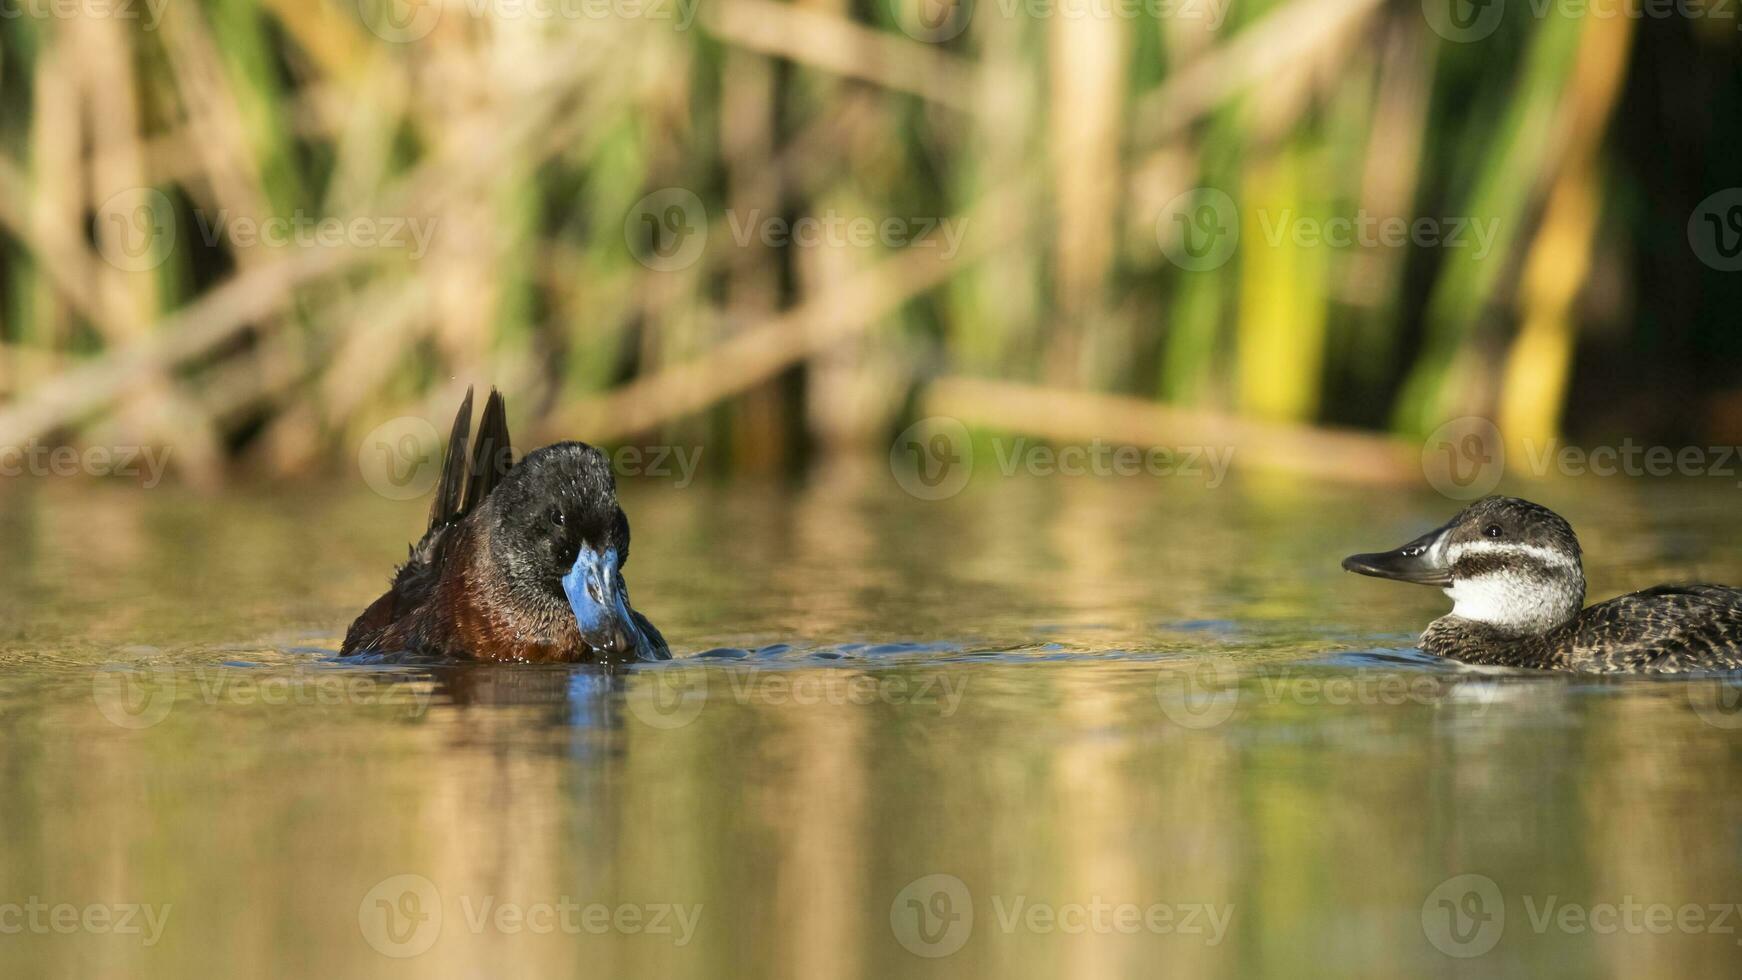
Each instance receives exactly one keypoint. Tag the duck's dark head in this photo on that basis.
(560, 541)
(1505, 562)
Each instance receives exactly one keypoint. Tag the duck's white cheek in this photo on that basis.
(1503, 599)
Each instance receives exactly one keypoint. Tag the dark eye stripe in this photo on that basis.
(1517, 562)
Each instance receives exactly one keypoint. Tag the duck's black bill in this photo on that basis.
(1417, 561)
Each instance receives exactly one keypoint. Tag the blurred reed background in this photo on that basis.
(581, 201)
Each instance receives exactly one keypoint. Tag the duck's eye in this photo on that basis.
(556, 516)
(1492, 530)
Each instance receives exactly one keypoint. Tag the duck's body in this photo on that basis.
(521, 562)
(1672, 629)
(1513, 570)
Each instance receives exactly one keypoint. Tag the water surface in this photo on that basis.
(1047, 727)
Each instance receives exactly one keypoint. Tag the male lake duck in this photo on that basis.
(522, 561)
(1512, 570)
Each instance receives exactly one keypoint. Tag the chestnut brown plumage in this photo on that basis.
(521, 562)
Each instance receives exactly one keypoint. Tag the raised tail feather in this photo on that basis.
(446, 507)
(493, 455)
(467, 478)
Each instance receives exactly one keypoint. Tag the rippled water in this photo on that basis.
(1046, 727)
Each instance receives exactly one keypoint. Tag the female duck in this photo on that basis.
(1512, 570)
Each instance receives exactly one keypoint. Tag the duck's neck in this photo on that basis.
(491, 619)
(1469, 641)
